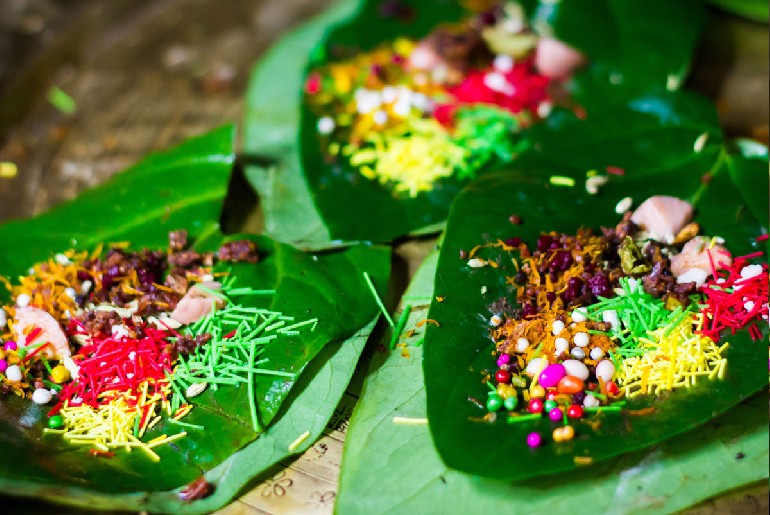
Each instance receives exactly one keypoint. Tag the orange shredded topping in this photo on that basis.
(538, 330)
(48, 283)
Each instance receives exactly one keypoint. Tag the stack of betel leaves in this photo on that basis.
(593, 327)
(149, 360)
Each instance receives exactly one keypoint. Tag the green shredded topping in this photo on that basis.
(378, 300)
(239, 334)
(400, 326)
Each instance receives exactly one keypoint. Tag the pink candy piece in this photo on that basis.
(534, 440)
(503, 359)
(197, 303)
(551, 375)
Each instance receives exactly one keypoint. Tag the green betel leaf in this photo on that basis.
(184, 189)
(457, 351)
(346, 205)
(634, 47)
(307, 408)
(756, 10)
(394, 468)
(270, 131)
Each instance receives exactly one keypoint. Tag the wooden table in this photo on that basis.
(146, 74)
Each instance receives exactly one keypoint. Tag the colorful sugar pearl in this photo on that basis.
(537, 392)
(535, 406)
(555, 414)
(611, 388)
(503, 376)
(563, 434)
(10, 345)
(575, 411)
(576, 368)
(494, 402)
(60, 374)
(534, 440)
(505, 391)
(56, 422)
(13, 373)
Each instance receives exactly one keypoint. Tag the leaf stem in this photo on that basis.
(713, 171)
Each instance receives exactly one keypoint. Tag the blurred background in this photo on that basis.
(88, 88)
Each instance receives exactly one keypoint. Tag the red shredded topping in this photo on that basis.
(32, 335)
(525, 89)
(110, 364)
(734, 302)
(36, 351)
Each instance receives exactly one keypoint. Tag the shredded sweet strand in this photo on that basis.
(675, 356)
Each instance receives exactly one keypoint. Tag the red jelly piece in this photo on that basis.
(575, 411)
(503, 376)
(551, 395)
(612, 388)
(535, 406)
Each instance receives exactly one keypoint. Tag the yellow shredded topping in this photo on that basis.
(114, 424)
(675, 357)
(412, 156)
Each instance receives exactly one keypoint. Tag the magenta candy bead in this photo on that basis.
(551, 375)
(555, 414)
(534, 440)
(10, 345)
(503, 359)
(3, 366)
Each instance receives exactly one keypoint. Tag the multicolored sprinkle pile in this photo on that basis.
(117, 341)
(410, 113)
(643, 308)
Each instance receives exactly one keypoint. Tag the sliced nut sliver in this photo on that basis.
(195, 389)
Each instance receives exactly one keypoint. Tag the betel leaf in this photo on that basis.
(458, 350)
(270, 131)
(353, 207)
(183, 188)
(348, 207)
(756, 10)
(394, 468)
(308, 407)
(633, 47)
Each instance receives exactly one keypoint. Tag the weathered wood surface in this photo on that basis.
(146, 74)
